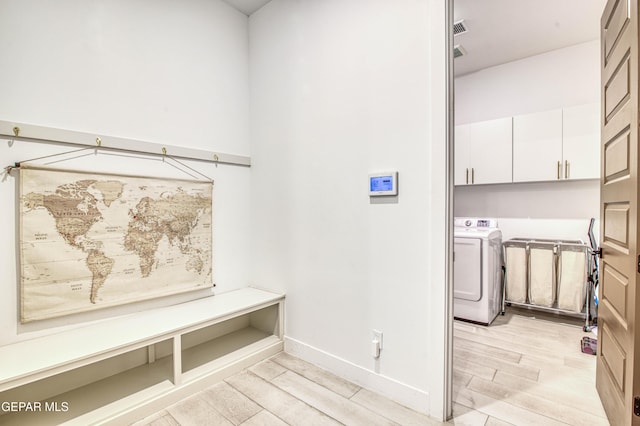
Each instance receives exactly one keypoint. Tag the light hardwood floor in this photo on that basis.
(524, 369)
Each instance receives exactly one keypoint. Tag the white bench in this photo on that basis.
(131, 366)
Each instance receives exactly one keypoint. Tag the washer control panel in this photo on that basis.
(472, 222)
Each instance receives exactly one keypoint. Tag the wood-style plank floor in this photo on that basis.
(524, 369)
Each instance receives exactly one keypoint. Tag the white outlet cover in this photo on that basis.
(377, 335)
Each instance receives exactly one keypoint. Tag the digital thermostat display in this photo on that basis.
(383, 184)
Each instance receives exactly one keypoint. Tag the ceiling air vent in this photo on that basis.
(459, 27)
(458, 51)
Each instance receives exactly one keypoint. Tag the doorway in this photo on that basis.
(493, 80)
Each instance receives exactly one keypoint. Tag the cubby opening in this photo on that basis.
(114, 372)
(134, 375)
(211, 347)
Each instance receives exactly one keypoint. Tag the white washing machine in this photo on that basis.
(477, 270)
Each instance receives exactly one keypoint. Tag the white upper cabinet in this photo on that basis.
(483, 152)
(461, 155)
(581, 142)
(537, 146)
(561, 144)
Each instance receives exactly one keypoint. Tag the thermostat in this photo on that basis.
(385, 183)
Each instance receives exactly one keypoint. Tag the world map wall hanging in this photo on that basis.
(90, 240)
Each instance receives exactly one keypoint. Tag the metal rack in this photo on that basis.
(549, 275)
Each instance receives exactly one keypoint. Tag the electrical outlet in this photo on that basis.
(377, 335)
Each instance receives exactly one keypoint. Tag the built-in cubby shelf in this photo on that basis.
(122, 369)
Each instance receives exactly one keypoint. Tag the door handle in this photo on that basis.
(473, 179)
(566, 169)
(559, 165)
(466, 179)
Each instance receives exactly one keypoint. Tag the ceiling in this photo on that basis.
(501, 31)
(247, 6)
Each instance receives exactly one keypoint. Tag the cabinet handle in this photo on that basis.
(566, 169)
(559, 165)
(473, 179)
(466, 179)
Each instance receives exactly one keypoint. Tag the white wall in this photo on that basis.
(340, 90)
(563, 77)
(162, 71)
(337, 90)
(542, 210)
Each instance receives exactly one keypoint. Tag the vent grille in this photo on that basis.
(458, 51)
(459, 28)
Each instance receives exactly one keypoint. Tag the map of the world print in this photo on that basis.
(89, 241)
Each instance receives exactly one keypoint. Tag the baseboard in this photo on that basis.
(401, 393)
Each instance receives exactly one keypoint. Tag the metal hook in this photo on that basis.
(98, 141)
(215, 157)
(16, 131)
(164, 151)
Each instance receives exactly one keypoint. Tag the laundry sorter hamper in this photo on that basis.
(516, 270)
(547, 274)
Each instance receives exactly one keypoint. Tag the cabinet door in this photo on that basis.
(537, 146)
(461, 155)
(581, 142)
(490, 149)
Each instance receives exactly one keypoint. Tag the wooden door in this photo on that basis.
(617, 376)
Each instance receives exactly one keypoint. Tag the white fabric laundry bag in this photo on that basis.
(572, 283)
(516, 274)
(542, 271)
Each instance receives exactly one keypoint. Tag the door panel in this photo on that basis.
(614, 359)
(617, 18)
(616, 225)
(616, 291)
(616, 158)
(617, 89)
(618, 336)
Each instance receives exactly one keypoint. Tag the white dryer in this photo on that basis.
(477, 270)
